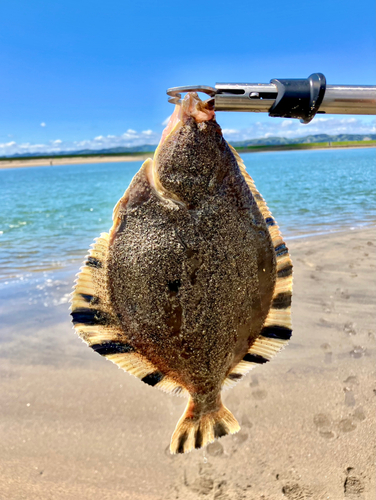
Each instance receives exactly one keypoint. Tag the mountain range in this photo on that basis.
(269, 141)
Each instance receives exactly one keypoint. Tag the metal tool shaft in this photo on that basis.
(260, 97)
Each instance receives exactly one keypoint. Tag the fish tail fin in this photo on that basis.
(194, 432)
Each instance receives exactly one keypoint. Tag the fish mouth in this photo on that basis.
(191, 106)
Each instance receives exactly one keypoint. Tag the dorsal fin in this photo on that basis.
(277, 330)
(95, 320)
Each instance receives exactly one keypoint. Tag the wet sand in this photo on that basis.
(73, 426)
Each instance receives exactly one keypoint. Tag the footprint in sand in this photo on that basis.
(328, 356)
(349, 328)
(325, 322)
(240, 437)
(358, 351)
(323, 423)
(359, 414)
(260, 394)
(327, 308)
(297, 492)
(215, 449)
(343, 293)
(353, 485)
(347, 425)
(245, 422)
(349, 397)
(203, 485)
(351, 380)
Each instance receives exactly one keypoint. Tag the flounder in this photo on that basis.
(191, 288)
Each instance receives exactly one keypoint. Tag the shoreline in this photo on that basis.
(51, 162)
(79, 160)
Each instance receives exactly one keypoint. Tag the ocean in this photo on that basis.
(50, 215)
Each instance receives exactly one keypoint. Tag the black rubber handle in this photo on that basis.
(299, 98)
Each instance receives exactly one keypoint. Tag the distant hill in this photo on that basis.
(269, 141)
(146, 148)
(279, 141)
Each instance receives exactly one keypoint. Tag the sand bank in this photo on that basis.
(71, 161)
(74, 426)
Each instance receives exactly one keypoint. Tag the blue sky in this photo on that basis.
(92, 74)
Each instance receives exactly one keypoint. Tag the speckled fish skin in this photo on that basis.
(193, 281)
(192, 287)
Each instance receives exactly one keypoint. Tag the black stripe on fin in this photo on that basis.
(86, 316)
(286, 271)
(93, 262)
(270, 221)
(153, 378)
(276, 332)
(282, 301)
(281, 250)
(198, 439)
(90, 298)
(234, 376)
(112, 348)
(220, 430)
(255, 358)
(182, 439)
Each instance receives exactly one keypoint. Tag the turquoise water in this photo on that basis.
(50, 215)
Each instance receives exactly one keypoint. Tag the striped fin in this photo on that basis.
(277, 327)
(95, 320)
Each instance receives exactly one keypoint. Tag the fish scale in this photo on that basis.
(192, 286)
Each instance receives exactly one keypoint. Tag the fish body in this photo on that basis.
(192, 286)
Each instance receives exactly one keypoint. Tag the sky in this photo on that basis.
(79, 74)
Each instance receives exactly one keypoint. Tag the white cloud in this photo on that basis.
(128, 139)
(287, 123)
(229, 131)
(42, 124)
(293, 128)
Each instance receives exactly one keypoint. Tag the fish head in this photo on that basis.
(192, 157)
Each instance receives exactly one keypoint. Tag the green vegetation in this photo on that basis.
(312, 145)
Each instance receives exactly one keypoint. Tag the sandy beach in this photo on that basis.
(73, 426)
(49, 162)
